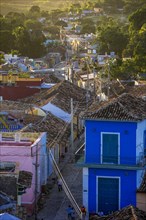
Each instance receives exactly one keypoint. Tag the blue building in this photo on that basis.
(114, 162)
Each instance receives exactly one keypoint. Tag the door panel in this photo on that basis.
(108, 195)
(110, 148)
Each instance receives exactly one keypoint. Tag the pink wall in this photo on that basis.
(21, 155)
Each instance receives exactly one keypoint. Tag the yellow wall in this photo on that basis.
(7, 78)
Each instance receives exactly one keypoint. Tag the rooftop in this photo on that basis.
(57, 129)
(18, 138)
(128, 213)
(124, 108)
(59, 95)
(142, 187)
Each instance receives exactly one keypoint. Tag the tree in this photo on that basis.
(61, 23)
(32, 24)
(1, 58)
(6, 40)
(35, 9)
(137, 19)
(15, 19)
(132, 5)
(112, 38)
(75, 8)
(88, 26)
(22, 40)
(34, 12)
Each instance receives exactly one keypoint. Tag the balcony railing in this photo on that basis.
(139, 161)
(10, 128)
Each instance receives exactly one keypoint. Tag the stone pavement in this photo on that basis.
(57, 202)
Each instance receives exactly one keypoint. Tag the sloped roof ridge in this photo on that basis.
(104, 106)
(142, 187)
(124, 108)
(133, 212)
(117, 101)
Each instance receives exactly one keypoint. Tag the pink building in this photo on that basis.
(28, 152)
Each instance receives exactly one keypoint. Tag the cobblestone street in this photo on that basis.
(57, 202)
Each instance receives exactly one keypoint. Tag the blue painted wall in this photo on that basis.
(127, 132)
(127, 187)
(43, 155)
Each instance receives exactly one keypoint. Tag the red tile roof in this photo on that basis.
(124, 108)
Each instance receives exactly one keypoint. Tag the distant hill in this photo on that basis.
(24, 5)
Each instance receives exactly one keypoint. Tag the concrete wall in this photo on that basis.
(141, 201)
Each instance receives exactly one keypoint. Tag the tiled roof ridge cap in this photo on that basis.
(126, 111)
(116, 101)
(133, 212)
(124, 108)
(105, 105)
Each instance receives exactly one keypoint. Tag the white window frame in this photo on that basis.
(101, 150)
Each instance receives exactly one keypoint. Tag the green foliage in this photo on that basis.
(24, 75)
(1, 58)
(5, 37)
(15, 52)
(138, 18)
(61, 23)
(112, 38)
(35, 9)
(132, 5)
(32, 24)
(75, 8)
(88, 26)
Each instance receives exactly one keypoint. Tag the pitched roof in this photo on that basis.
(59, 95)
(8, 184)
(124, 108)
(25, 178)
(142, 187)
(15, 106)
(57, 129)
(128, 213)
(47, 77)
(117, 88)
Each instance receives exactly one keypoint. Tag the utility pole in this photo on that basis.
(94, 85)
(108, 75)
(72, 131)
(87, 64)
(36, 180)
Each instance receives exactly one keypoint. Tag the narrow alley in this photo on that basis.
(57, 202)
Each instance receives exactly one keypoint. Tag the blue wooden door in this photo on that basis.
(108, 195)
(110, 148)
(144, 141)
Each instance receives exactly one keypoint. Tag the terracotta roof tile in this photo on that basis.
(7, 105)
(128, 213)
(57, 130)
(59, 95)
(142, 187)
(126, 107)
(25, 178)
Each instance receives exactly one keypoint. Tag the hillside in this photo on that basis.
(22, 6)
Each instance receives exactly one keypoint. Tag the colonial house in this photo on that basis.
(58, 134)
(114, 163)
(15, 115)
(26, 152)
